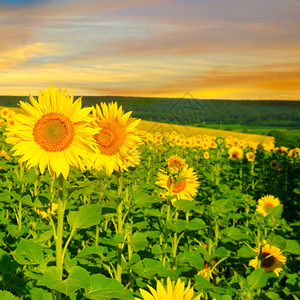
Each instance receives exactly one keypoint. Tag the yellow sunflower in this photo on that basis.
(271, 259)
(265, 203)
(175, 163)
(184, 188)
(170, 293)
(250, 156)
(117, 139)
(55, 133)
(235, 153)
(4, 112)
(4, 154)
(50, 210)
(206, 155)
(204, 271)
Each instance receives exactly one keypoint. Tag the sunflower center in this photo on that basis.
(110, 138)
(54, 132)
(267, 260)
(178, 186)
(235, 154)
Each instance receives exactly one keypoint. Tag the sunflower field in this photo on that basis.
(93, 208)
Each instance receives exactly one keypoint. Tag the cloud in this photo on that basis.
(20, 55)
(225, 48)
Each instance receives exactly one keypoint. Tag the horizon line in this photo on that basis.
(172, 98)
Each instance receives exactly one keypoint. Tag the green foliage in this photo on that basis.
(77, 278)
(124, 232)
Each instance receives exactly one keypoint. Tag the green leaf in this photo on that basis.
(30, 253)
(292, 246)
(220, 252)
(37, 202)
(296, 190)
(246, 252)
(40, 294)
(102, 288)
(177, 226)
(142, 199)
(5, 295)
(276, 211)
(202, 283)
(78, 278)
(277, 240)
(138, 241)
(152, 212)
(257, 279)
(85, 217)
(184, 205)
(272, 296)
(236, 234)
(196, 224)
(148, 268)
(90, 251)
(5, 197)
(194, 259)
(156, 250)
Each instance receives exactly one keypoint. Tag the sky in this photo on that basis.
(208, 49)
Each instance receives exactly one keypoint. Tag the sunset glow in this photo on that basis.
(211, 49)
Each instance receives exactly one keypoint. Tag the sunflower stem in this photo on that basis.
(59, 231)
(19, 210)
(119, 230)
(209, 250)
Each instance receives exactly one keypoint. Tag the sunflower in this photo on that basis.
(204, 271)
(175, 163)
(51, 210)
(170, 293)
(206, 155)
(184, 187)
(117, 139)
(274, 164)
(54, 133)
(271, 259)
(4, 112)
(4, 154)
(235, 153)
(250, 156)
(265, 203)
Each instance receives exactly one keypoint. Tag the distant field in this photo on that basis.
(189, 131)
(261, 130)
